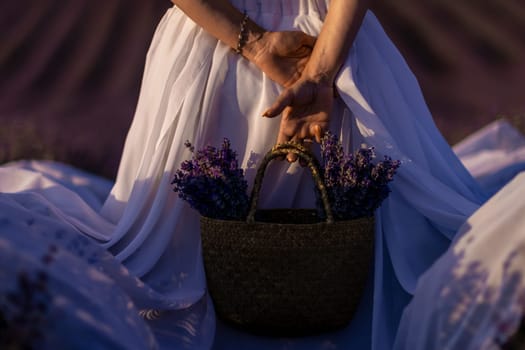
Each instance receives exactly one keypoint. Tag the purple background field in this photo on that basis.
(70, 70)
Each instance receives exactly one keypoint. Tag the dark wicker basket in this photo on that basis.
(283, 271)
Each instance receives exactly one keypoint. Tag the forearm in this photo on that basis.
(222, 20)
(339, 30)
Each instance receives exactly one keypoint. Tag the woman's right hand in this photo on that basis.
(282, 56)
(305, 107)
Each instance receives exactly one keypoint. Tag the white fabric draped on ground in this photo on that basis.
(473, 297)
(197, 89)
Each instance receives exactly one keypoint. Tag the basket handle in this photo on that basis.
(282, 150)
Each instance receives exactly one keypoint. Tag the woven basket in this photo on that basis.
(283, 271)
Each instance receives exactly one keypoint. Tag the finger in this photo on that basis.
(317, 132)
(281, 141)
(285, 99)
(284, 134)
(291, 157)
(282, 137)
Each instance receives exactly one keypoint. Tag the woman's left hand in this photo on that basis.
(282, 56)
(306, 107)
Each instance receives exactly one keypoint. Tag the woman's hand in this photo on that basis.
(282, 56)
(306, 105)
(305, 108)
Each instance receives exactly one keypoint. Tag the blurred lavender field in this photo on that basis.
(469, 56)
(70, 71)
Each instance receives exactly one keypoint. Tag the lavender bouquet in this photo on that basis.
(212, 183)
(356, 187)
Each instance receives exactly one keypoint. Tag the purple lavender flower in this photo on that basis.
(356, 186)
(212, 182)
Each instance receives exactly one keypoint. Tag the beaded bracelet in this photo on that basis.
(242, 34)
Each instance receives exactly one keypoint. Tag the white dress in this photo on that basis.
(473, 297)
(195, 88)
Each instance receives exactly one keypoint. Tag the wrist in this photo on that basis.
(319, 76)
(322, 67)
(249, 38)
(255, 44)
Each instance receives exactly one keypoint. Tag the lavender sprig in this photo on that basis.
(356, 186)
(212, 182)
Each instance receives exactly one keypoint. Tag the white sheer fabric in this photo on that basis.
(195, 88)
(493, 155)
(473, 297)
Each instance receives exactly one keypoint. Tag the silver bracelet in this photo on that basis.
(242, 34)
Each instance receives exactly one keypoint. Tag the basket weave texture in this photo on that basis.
(284, 271)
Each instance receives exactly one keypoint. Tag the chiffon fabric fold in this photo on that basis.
(196, 88)
(473, 297)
